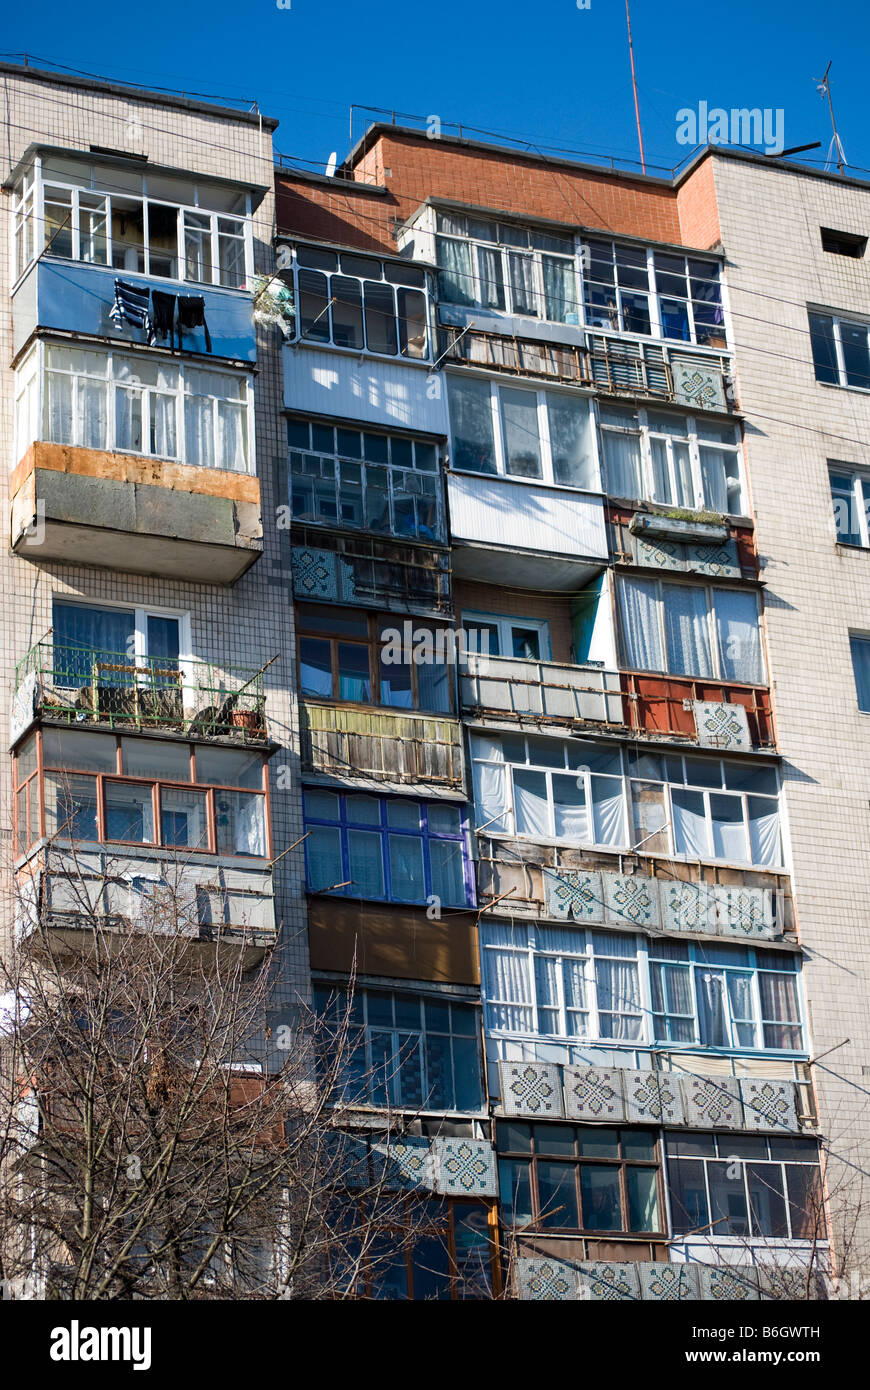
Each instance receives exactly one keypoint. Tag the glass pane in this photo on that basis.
(729, 832)
(365, 864)
(129, 812)
(406, 868)
(183, 818)
(727, 1200)
(347, 324)
(72, 749)
(515, 1188)
(380, 318)
(323, 858)
(448, 881)
(315, 666)
(688, 1195)
(557, 1195)
(643, 1199)
(856, 354)
(229, 767)
(471, 421)
(570, 441)
(354, 679)
(599, 1189)
(766, 1199)
(155, 758)
(823, 348)
(522, 444)
(241, 823)
(71, 806)
(805, 1201)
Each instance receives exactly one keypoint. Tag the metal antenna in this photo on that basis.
(634, 87)
(823, 87)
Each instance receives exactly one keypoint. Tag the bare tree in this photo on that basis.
(146, 1148)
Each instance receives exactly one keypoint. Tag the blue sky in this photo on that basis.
(547, 72)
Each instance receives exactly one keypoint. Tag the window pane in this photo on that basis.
(687, 630)
(129, 812)
(155, 758)
(354, 680)
(241, 823)
(643, 1199)
(846, 512)
(805, 1201)
(64, 748)
(531, 806)
(766, 1199)
(739, 638)
(70, 806)
(520, 421)
(729, 832)
(599, 1188)
(860, 647)
(823, 348)
(569, 808)
(471, 421)
(313, 301)
(455, 280)
(515, 1188)
(570, 441)
(365, 864)
(691, 832)
(688, 1195)
(183, 818)
(323, 857)
(412, 323)
(856, 357)
(406, 868)
(448, 882)
(315, 666)
(727, 1200)
(380, 318)
(557, 1195)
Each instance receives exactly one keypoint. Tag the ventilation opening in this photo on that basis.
(843, 243)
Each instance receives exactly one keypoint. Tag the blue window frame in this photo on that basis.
(387, 848)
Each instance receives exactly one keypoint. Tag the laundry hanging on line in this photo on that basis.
(159, 314)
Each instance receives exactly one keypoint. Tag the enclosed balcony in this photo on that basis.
(540, 690)
(83, 688)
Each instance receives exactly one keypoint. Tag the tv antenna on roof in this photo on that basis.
(823, 88)
(634, 88)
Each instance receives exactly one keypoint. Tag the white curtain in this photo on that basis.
(199, 431)
(639, 621)
(764, 831)
(618, 998)
(250, 825)
(739, 637)
(522, 275)
(492, 798)
(163, 425)
(455, 280)
(687, 631)
(608, 803)
(690, 823)
(742, 1009)
(508, 990)
(491, 277)
(547, 993)
(713, 475)
(622, 463)
(59, 407)
(711, 1003)
(729, 832)
(128, 419)
(92, 413)
(531, 804)
(233, 427)
(569, 808)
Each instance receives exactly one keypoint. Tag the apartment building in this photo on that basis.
(479, 570)
(646, 987)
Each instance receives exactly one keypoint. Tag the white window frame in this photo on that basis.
(647, 432)
(245, 404)
(506, 624)
(40, 182)
(592, 946)
(859, 502)
(288, 265)
(140, 644)
(652, 292)
(709, 589)
(626, 776)
(504, 250)
(837, 323)
(500, 445)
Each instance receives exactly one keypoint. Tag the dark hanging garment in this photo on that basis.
(132, 306)
(163, 314)
(191, 314)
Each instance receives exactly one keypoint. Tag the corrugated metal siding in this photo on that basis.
(555, 521)
(348, 387)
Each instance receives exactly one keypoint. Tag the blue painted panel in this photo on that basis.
(77, 298)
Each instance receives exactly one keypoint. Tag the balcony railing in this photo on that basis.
(522, 356)
(540, 689)
(663, 705)
(79, 685)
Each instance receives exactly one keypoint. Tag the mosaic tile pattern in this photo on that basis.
(717, 561)
(407, 1162)
(722, 1284)
(669, 1283)
(574, 893)
(531, 1088)
(769, 1105)
(709, 1103)
(697, 386)
(744, 912)
(593, 1093)
(653, 1096)
(663, 555)
(721, 725)
(545, 1281)
(689, 907)
(321, 574)
(632, 901)
(464, 1168)
(602, 1281)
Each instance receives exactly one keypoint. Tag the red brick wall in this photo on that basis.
(413, 168)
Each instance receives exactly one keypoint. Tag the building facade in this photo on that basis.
(472, 567)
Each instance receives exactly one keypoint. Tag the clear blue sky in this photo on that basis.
(545, 71)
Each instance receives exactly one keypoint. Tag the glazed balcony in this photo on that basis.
(85, 688)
